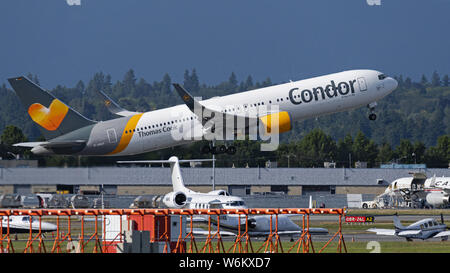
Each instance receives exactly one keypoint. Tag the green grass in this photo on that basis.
(352, 247)
(417, 246)
(434, 212)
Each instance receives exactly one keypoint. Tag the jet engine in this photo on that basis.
(277, 122)
(437, 199)
(175, 200)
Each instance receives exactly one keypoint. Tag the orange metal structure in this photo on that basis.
(184, 243)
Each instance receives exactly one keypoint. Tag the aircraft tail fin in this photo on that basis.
(397, 223)
(53, 116)
(177, 178)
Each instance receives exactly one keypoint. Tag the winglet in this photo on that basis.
(113, 107)
(187, 98)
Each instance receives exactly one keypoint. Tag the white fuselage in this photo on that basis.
(258, 223)
(22, 224)
(301, 99)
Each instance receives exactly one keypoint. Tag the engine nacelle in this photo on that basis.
(437, 199)
(276, 123)
(175, 200)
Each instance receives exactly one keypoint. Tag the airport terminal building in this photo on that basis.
(238, 181)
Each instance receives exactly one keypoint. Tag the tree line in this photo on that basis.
(312, 151)
(417, 112)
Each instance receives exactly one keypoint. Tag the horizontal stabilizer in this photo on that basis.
(29, 144)
(64, 144)
(382, 231)
(113, 107)
(51, 144)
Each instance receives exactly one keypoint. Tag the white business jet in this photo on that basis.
(23, 224)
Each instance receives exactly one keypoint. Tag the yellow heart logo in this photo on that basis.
(50, 118)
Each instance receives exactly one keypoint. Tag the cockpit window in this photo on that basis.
(27, 219)
(237, 203)
(382, 77)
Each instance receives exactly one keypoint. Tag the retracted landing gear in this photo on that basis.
(215, 150)
(372, 115)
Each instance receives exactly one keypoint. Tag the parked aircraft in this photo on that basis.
(262, 112)
(423, 229)
(421, 190)
(182, 197)
(21, 224)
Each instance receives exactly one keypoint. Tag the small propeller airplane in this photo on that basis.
(423, 229)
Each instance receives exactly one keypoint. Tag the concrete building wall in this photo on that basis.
(143, 190)
(157, 180)
(6, 189)
(360, 189)
(43, 188)
(295, 190)
(260, 189)
(90, 188)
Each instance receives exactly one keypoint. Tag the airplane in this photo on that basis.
(422, 229)
(21, 224)
(262, 112)
(433, 191)
(183, 197)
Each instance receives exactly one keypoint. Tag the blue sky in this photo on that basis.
(283, 39)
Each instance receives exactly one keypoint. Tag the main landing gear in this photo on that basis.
(215, 150)
(372, 115)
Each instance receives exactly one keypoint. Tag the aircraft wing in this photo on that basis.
(200, 231)
(442, 234)
(113, 107)
(409, 232)
(316, 231)
(199, 219)
(197, 108)
(382, 231)
(165, 161)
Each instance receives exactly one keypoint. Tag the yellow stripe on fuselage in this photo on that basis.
(126, 138)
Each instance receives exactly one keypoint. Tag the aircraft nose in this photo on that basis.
(48, 227)
(392, 84)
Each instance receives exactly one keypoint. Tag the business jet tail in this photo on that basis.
(397, 223)
(177, 178)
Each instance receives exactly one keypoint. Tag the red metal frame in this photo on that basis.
(242, 243)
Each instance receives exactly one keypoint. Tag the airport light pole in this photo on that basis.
(214, 172)
(213, 166)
